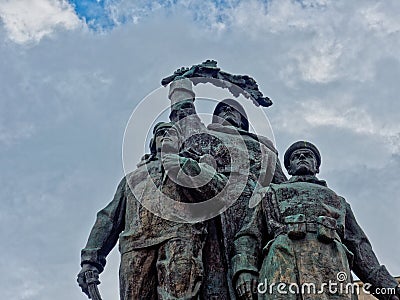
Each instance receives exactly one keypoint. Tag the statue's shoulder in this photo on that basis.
(266, 142)
(140, 173)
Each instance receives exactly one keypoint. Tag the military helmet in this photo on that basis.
(301, 145)
(236, 105)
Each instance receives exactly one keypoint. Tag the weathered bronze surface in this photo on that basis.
(242, 84)
(228, 141)
(300, 232)
(303, 233)
(160, 259)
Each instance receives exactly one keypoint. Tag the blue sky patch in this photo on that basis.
(94, 12)
(97, 13)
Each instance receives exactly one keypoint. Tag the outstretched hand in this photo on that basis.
(246, 286)
(82, 278)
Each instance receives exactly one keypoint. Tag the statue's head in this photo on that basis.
(302, 158)
(229, 112)
(159, 131)
(181, 110)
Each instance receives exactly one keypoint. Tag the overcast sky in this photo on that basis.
(72, 72)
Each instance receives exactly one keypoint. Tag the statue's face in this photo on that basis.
(183, 109)
(159, 135)
(166, 139)
(230, 116)
(303, 162)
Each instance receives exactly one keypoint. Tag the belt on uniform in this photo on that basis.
(311, 227)
(308, 227)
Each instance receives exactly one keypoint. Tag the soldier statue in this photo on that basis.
(303, 233)
(160, 259)
(247, 160)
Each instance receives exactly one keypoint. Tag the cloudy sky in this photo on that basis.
(73, 71)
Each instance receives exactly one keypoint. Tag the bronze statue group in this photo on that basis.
(299, 233)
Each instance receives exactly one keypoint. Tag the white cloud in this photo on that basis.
(210, 14)
(315, 3)
(322, 65)
(343, 114)
(355, 119)
(381, 19)
(31, 20)
(326, 36)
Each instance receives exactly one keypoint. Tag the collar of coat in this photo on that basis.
(307, 178)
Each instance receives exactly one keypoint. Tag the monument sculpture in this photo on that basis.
(185, 218)
(303, 233)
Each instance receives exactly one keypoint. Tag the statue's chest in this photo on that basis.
(232, 152)
(245, 153)
(309, 199)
